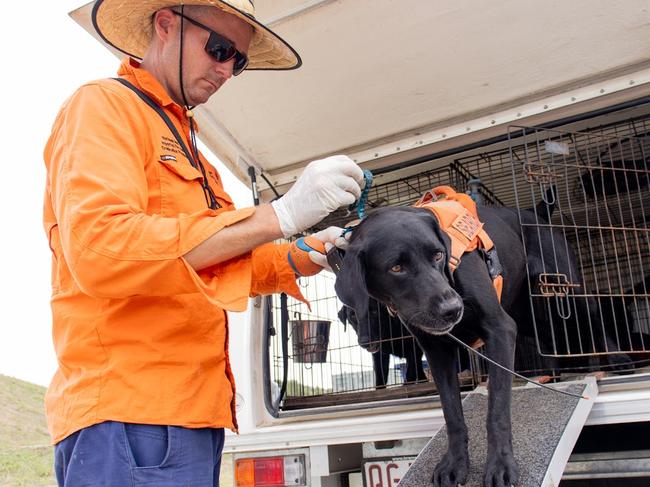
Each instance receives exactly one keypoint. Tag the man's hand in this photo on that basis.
(324, 186)
(308, 255)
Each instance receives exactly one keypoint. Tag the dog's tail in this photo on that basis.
(546, 206)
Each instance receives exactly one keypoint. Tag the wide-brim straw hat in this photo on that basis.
(127, 25)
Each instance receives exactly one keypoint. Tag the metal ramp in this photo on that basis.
(545, 427)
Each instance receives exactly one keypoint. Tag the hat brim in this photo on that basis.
(127, 26)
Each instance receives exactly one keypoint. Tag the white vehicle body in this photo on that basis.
(394, 84)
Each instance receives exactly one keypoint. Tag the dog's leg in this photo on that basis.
(500, 467)
(380, 363)
(414, 369)
(385, 364)
(420, 374)
(454, 465)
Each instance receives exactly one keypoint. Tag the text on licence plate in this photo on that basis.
(386, 473)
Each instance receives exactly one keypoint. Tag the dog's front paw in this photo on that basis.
(451, 471)
(501, 470)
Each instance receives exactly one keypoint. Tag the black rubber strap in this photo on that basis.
(147, 99)
(284, 324)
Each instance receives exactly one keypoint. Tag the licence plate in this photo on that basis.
(386, 472)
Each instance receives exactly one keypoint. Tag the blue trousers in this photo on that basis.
(114, 454)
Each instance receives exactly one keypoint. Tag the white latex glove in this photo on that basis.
(323, 187)
(331, 237)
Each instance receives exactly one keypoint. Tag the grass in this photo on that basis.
(26, 457)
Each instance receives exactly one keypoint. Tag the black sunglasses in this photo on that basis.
(220, 48)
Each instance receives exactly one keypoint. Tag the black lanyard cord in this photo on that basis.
(210, 198)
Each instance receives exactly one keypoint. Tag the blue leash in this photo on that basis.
(334, 257)
(360, 205)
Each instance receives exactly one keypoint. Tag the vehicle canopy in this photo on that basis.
(382, 80)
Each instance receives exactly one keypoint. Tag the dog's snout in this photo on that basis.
(450, 307)
(366, 341)
(368, 344)
(450, 312)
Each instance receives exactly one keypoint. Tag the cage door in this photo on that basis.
(584, 209)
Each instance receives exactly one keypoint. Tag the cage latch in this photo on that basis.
(551, 284)
(557, 285)
(539, 173)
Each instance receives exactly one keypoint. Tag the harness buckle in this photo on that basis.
(454, 262)
(493, 263)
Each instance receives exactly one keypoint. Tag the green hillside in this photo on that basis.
(26, 457)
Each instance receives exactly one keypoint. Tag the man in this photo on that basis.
(149, 252)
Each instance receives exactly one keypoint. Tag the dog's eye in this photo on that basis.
(396, 268)
(438, 256)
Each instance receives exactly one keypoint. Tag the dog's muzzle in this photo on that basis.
(372, 347)
(441, 319)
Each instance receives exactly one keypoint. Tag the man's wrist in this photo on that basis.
(285, 222)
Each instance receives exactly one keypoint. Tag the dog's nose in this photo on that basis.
(372, 347)
(451, 310)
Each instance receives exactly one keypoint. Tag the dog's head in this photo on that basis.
(399, 256)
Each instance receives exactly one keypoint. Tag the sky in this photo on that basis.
(46, 56)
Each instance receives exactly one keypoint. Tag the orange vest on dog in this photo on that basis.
(458, 218)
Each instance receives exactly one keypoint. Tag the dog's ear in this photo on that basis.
(350, 283)
(444, 239)
(343, 316)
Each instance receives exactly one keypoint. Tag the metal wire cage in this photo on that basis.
(590, 187)
(594, 192)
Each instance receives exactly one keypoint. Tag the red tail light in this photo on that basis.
(269, 472)
(281, 471)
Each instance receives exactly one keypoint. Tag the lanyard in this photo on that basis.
(210, 198)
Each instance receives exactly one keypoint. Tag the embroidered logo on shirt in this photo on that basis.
(168, 157)
(170, 145)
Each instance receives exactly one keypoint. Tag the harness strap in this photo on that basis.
(458, 217)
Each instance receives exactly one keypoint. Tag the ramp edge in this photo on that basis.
(568, 440)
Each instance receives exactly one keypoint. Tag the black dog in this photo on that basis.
(399, 256)
(384, 335)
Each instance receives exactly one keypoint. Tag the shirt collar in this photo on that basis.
(143, 79)
(130, 69)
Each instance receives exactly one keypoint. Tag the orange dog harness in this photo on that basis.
(458, 218)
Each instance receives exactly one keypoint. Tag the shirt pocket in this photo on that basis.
(223, 198)
(181, 188)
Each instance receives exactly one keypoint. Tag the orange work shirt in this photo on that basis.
(139, 335)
